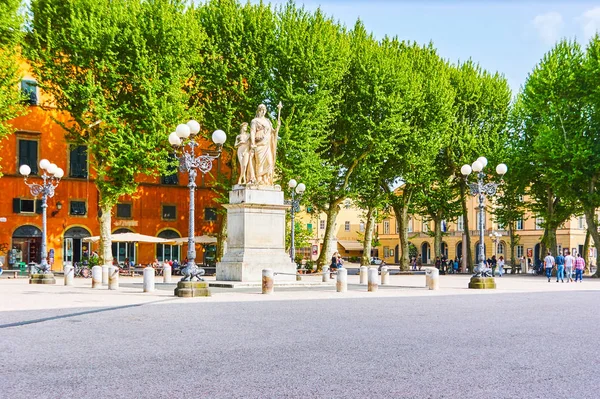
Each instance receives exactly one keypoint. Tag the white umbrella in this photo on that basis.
(130, 237)
(197, 240)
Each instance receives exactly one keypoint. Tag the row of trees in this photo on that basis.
(361, 116)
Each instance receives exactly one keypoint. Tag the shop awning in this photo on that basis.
(351, 245)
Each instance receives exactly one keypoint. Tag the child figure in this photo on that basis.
(244, 153)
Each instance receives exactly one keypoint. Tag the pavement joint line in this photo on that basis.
(64, 316)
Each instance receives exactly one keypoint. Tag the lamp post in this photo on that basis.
(51, 176)
(482, 277)
(295, 203)
(183, 141)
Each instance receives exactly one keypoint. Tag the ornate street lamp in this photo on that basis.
(183, 141)
(482, 277)
(51, 176)
(295, 203)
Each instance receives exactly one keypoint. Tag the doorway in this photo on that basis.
(27, 244)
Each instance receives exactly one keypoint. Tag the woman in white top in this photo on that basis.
(500, 266)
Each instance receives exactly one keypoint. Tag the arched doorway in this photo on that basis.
(27, 245)
(537, 253)
(477, 252)
(73, 245)
(123, 250)
(167, 251)
(459, 253)
(425, 253)
(445, 250)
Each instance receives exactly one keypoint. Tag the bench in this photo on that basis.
(14, 273)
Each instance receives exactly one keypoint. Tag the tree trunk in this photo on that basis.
(365, 259)
(105, 250)
(437, 238)
(586, 250)
(513, 243)
(222, 238)
(326, 250)
(592, 229)
(401, 213)
(469, 254)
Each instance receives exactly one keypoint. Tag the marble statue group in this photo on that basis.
(257, 149)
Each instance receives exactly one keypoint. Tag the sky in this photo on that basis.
(508, 36)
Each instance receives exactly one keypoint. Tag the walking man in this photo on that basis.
(560, 268)
(569, 263)
(579, 266)
(549, 264)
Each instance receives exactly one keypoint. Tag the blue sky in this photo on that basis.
(507, 36)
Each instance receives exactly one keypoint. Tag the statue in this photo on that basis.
(245, 156)
(263, 146)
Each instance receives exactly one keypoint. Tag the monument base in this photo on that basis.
(256, 235)
(42, 278)
(482, 283)
(188, 289)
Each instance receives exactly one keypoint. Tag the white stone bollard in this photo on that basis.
(267, 281)
(341, 284)
(105, 274)
(432, 278)
(373, 277)
(363, 275)
(148, 279)
(113, 278)
(97, 277)
(325, 274)
(385, 275)
(69, 271)
(166, 274)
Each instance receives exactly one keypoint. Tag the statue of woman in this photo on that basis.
(263, 140)
(244, 153)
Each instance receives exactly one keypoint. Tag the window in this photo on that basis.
(29, 91)
(519, 251)
(520, 224)
(410, 224)
(172, 177)
(581, 223)
(425, 227)
(361, 227)
(386, 252)
(169, 212)
(391, 252)
(500, 248)
(309, 227)
(28, 154)
(78, 161)
(386, 227)
(124, 211)
(321, 225)
(539, 222)
(26, 205)
(460, 223)
(500, 225)
(346, 226)
(77, 208)
(210, 214)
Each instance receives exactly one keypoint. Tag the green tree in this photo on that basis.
(124, 63)
(10, 36)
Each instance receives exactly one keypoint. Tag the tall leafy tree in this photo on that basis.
(124, 63)
(10, 37)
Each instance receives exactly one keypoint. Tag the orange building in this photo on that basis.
(159, 208)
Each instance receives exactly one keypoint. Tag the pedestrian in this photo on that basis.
(438, 263)
(569, 263)
(334, 264)
(500, 266)
(549, 264)
(560, 268)
(579, 266)
(493, 264)
(419, 261)
(455, 266)
(414, 263)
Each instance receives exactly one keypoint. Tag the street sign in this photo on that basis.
(2, 220)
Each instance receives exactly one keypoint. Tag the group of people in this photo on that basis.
(336, 263)
(447, 265)
(564, 265)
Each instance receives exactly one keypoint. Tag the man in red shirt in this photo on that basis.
(579, 266)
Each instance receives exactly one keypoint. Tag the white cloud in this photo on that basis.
(549, 26)
(590, 22)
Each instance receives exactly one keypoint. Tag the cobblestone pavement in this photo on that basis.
(527, 339)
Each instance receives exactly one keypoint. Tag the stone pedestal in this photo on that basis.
(255, 235)
(42, 278)
(192, 288)
(482, 283)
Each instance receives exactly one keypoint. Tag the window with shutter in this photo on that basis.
(29, 91)
(16, 205)
(124, 211)
(210, 214)
(38, 206)
(78, 208)
(78, 161)
(28, 154)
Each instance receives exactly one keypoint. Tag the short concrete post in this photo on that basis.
(97, 277)
(113, 278)
(325, 274)
(105, 274)
(385, 275)
(363, 275)
(341, 284)
(432, 278)
(69, 271)
(148, 279)
(167, 273)
(373, 277)
(267, 281)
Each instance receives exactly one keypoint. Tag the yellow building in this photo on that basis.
(351, 221)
